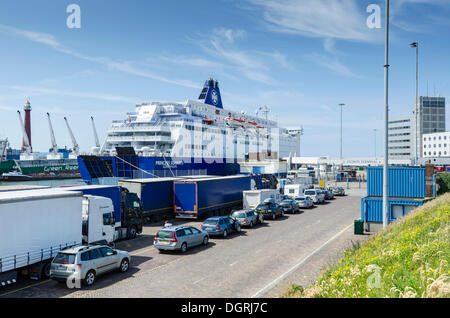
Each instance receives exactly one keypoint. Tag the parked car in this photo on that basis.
(179, 238)
(338, 191)
(221, 225)
(328, 194)
(86, 262)
(321, 193)
(316, 196)
(270, 210)
(248, 217)
(304, 202)
(289, 206)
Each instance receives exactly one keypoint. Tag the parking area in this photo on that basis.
(257, 262)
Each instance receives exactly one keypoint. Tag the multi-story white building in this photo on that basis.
(436, 145)
(402, 136)
(430, 118)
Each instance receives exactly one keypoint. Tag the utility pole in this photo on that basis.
(375, 133)
(341, 106)
(386, 120)
(417, 135)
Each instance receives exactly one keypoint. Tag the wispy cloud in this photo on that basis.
(40, 91)
(123, 66)
(333, 64)
(317, 18)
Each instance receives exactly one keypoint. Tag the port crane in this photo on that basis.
(52, 136)
(76, 148)
(96, 148)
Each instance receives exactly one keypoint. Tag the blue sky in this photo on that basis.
(300, 57)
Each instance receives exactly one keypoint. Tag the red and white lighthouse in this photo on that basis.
(27, 123)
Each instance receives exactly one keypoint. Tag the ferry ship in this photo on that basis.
(192, 137)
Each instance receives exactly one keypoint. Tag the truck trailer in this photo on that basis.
(128, 213)
(253, 198)
(34, 226)
(209, 196)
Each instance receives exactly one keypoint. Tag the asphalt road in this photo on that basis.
(259, 262)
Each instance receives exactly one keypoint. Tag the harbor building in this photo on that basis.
(436, 145)
(401, 137)
(430, 118)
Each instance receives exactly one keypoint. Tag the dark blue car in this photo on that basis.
(221, 225)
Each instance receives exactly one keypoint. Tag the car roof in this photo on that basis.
(175, 227)
(80, 248)
(217, 218)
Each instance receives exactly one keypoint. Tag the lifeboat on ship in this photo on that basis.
(234, 122)
(208, 121)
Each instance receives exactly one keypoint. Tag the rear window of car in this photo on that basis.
(64, 258)
(239, 214)
(165, 234)
(211, 222)
(310, 192)
(261, 207)
(299, 199)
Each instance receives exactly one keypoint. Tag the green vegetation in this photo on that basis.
(410, 258)
(443, 181)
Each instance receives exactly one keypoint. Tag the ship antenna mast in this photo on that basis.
(266, 111)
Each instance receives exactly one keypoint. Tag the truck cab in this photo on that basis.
(98, 220)
(132, 215)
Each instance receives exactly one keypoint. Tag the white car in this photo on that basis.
(315, 195)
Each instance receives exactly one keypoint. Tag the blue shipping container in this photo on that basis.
(111, 192)
(404, 182)
(195, 197)
(372, 208)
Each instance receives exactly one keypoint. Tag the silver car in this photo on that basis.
(248, 217)
(315, 195)
(304, 202)
(84, 263)
(179, 238)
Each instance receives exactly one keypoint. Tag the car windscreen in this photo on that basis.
(239, 214)
(285, 203)
(261, 207)
(300, 199)
(210, 222)
(165, 234)
(310, 192)
(64, 258)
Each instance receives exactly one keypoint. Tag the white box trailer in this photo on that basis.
(34, 226)
(294, 190)
(252, 198)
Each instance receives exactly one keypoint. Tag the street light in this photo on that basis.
(416, 108)
(341, 105)
(386, 120)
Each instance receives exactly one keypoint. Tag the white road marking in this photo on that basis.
(199, 280)
(300, 263)
(234, 263)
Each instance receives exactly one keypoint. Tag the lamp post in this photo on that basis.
(386, 120)
(341, 106)
(416, 108)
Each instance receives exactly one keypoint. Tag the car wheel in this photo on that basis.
(238, 229)
(124, 265)
(225, 233)
(251, 224)
(274, 216)
(89, 280)
(183, 248)
(282, 213)
(46, 271)
(205, 240)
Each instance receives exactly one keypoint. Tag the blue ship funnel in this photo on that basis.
(211, 94)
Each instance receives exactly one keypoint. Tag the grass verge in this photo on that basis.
(410, 258)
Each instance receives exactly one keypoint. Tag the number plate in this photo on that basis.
(164, 241)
